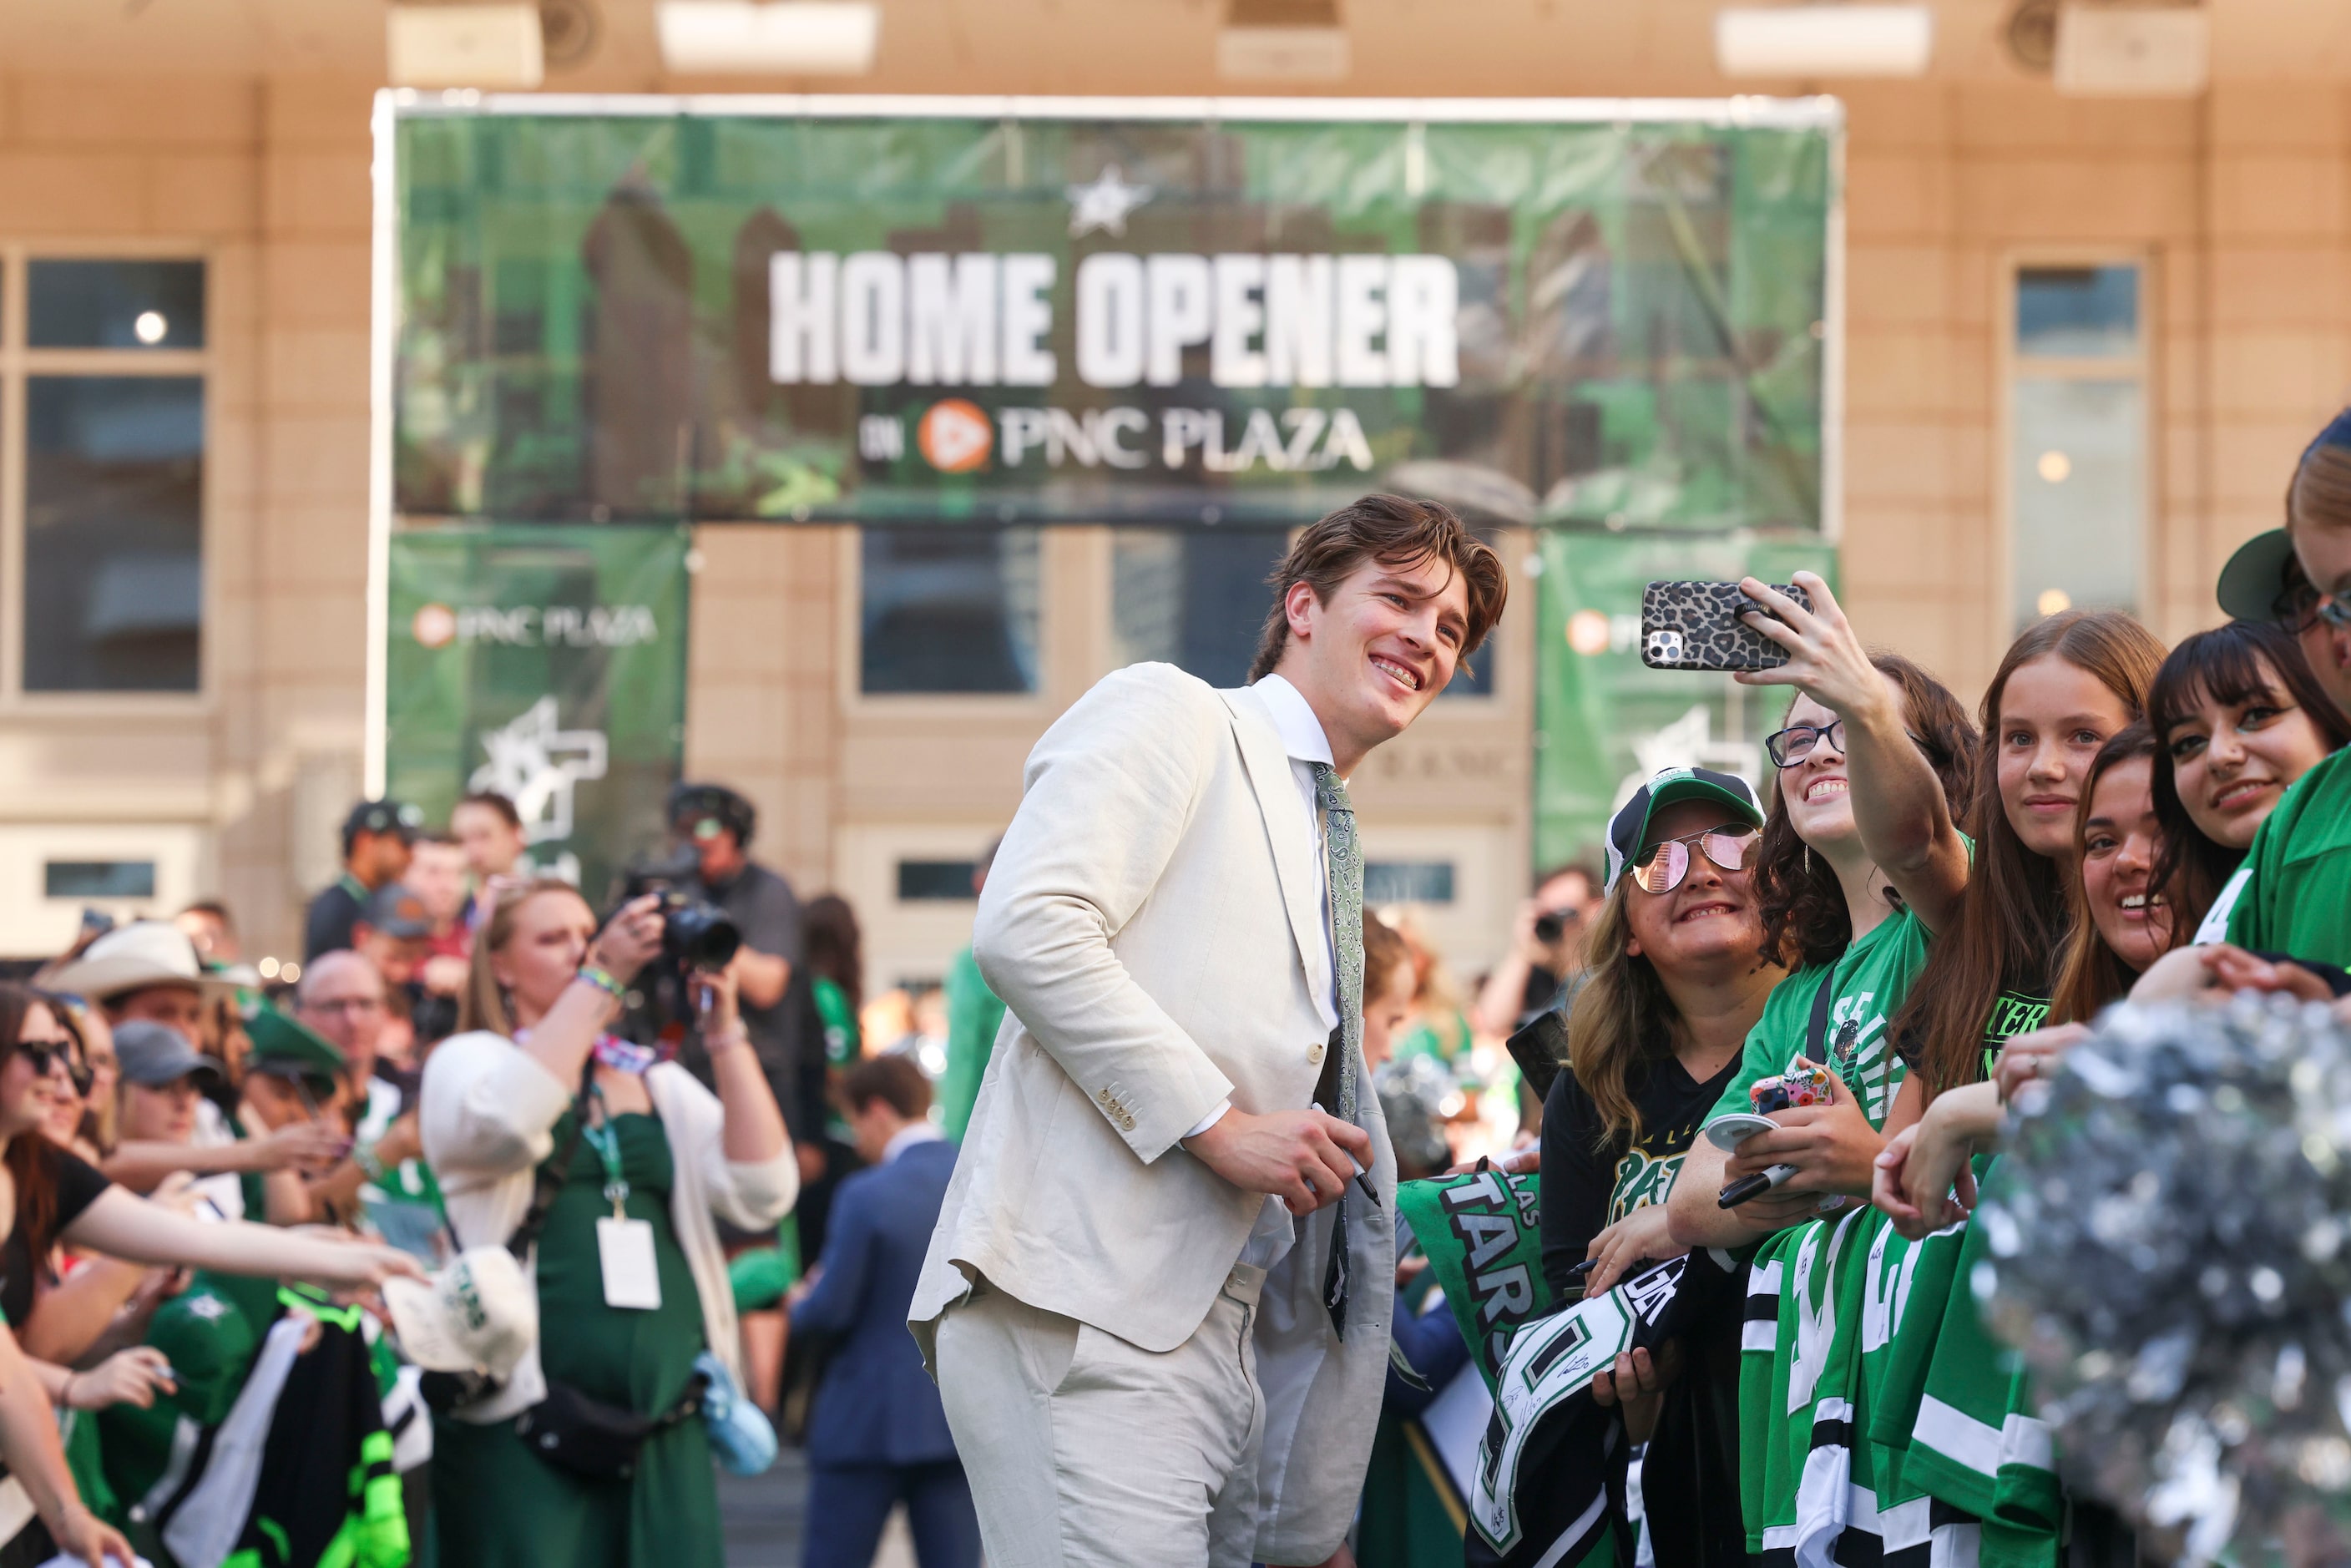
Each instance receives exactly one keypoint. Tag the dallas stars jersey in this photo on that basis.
(1826, 1304)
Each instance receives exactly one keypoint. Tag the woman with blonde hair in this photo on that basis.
(534, 1115)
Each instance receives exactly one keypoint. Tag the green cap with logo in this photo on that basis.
(1629, 829)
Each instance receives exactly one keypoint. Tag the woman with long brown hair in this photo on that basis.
(1677, 973)
(1875, 758)
(2066, 686)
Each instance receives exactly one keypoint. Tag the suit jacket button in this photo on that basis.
(1313, 1054)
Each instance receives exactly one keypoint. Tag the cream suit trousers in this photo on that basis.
(1083, 1449)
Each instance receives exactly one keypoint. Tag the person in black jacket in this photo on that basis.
(1676, 977)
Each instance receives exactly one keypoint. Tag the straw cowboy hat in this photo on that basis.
(131, 958)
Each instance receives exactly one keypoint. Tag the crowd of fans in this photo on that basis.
(441, 1247)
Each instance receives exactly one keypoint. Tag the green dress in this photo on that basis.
(500, 1505)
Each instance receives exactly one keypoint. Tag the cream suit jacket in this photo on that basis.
(1146, 920)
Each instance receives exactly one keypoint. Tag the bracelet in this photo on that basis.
(603, 982)
(364, 1157)
(738, 1036)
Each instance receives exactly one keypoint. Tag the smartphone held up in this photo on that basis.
(1696, 626)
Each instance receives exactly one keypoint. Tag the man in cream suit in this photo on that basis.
(1158, 1299)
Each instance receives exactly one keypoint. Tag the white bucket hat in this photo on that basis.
(476, 1314)
(132, 958)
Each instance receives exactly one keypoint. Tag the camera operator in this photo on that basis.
(769, 969)
(1546, 950)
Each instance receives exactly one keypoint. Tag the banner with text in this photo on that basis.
(807, 315)
(549, 664)
(1606, 722)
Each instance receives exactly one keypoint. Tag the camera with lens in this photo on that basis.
(696, 934)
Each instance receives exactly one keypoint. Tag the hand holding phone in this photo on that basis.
(1696, 626)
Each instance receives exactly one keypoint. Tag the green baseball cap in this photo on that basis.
(1629, 829)
(283, 1044)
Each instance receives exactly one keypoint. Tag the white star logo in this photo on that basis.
(1105, 204)
(211, 1309)
(536, 766)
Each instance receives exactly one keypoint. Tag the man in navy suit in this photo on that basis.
(878, 1435)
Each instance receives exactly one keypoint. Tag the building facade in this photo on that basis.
(2054, 309)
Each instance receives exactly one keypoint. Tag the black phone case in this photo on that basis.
(1696, 626)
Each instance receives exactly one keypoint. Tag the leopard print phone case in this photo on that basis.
(1696, 626)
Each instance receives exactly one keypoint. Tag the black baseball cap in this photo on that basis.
(382, 817)
(2262, 579)
(1630, 826)
(691, 806)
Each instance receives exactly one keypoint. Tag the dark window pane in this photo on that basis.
(1407, 881)
(117, 305)
(98, 879)
(113, 532)
(936, 881)
(949, 609)
(2077, 312)
(1196, 600)
(1199, 600)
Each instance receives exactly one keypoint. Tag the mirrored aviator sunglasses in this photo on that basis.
(1662, 866)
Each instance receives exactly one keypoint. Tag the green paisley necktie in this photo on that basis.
(1346, 857)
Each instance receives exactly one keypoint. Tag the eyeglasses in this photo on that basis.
(1790, 745)
(344, 1005)
(2335, 609)
(1661, 867)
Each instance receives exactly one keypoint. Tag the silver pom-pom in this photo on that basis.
(2170, 1244)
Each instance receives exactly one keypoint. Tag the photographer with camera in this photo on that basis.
(1546, 950)
(716, 824)
(607, 1168)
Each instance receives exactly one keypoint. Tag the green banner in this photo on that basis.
(668, 309)
(548, 663)
(1605, 722)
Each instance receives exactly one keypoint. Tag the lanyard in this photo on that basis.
(607, 1144)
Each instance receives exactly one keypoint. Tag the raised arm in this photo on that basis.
(1898, 802)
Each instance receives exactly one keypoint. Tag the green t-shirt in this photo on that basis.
(974, 1015)
(842, 1045)
(2298, 899)
(1873, 976)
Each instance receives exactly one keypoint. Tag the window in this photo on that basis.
(2077, 440)
(98, 879)
(936, 881)
(1199, 599)
(948, 610)
(105, 377)
(1196, 600)
(1407, 881)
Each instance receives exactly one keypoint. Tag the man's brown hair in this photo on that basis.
(1393, 532)
(895, 1079)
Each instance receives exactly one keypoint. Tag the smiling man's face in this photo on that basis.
(1375, 656)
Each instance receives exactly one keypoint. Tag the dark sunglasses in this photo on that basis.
(1661, 867)
(45, 1054)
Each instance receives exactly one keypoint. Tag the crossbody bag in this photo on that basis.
(573, 1431)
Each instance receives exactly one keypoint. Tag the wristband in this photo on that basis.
(603, 982)
(364, 1157)
(717, 1043)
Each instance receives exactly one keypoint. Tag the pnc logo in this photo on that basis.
(433, 625)
(955, 437)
